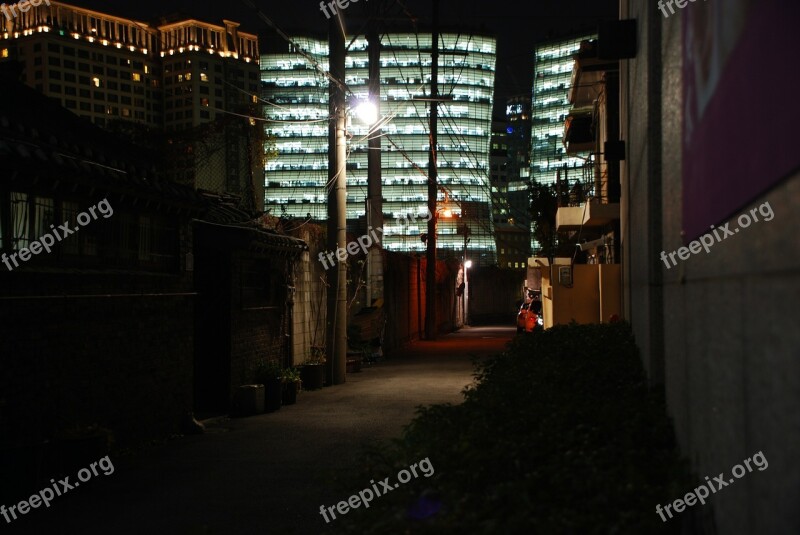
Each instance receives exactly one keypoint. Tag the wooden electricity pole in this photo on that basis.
(374, 187)
(336, 341)
(430, 279)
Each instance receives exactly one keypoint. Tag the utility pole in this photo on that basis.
(467, 263)
(374, 188)
(430, 279)
(336, 341)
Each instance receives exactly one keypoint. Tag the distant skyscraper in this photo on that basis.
(175, 75)
(518, 139)
(550, 106)
(298, 98)
(510, 236)
(552, 74)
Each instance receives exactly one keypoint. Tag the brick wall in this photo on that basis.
(258, 314)
(122, 362)
(404, 293)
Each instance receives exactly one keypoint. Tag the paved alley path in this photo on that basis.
(268, 473)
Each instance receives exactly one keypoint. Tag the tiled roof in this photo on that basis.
(41, 141)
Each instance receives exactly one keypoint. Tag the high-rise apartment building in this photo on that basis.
(298, 103)
(174, 76)
(550, 107)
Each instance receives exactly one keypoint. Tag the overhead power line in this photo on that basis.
(298, 49)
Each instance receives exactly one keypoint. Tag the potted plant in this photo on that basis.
(268, 373)
(314, 368)
(291, 385)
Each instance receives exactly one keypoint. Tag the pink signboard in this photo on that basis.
(741, 128)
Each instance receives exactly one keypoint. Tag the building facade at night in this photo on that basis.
(552, 75)
(297, 98)
(514, 227)
(508, 217)
(173, 76)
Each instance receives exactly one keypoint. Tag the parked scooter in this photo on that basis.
(529, 317)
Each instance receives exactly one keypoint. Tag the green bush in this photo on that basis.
(559, 434)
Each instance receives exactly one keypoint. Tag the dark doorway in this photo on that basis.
(212, 348)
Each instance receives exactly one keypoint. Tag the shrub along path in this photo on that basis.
(561, 435)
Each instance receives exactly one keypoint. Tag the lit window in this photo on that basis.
(255, 99)
(137, 77)
(96, 81)
(204, 102)
(188, 76)
(4, 53)
(203, 77)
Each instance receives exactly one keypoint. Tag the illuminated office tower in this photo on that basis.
(174, 75)
(211, 77)
(297, 97)
(99, 66)
(552, 74)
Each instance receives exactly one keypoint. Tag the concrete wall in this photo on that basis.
(493, 295)
(593, 297)
(727, 319)
(310, 298)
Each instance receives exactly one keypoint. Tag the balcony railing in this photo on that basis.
(577, 184)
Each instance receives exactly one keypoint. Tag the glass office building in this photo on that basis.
(297, 114)
(552, 75)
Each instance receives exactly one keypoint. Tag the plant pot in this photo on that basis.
(272, 394)
(353, 364)
(312, 376)
(248, 400)
(290, 389)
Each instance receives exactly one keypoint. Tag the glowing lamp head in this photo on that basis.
(367, 112)
(468, 264)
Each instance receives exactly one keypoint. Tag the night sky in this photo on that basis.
(517, 24)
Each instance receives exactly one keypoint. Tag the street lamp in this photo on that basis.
(367, 112)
